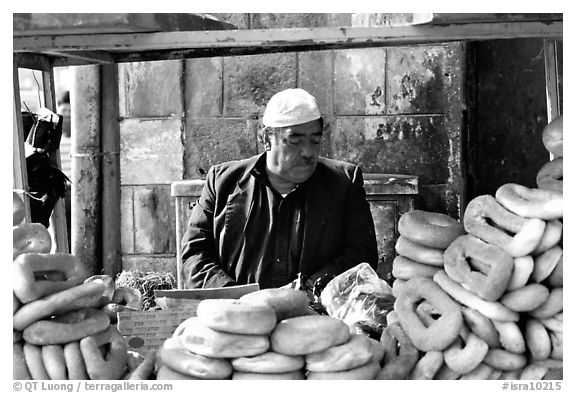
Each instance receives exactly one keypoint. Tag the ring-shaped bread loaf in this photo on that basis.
(480, 267)
(505, 360)
(308, 334)
(526, 298)
(418, 253)
(27, 268)
(481, 326)
(551, 237)
(175, 356)
(537, 339)
(365, 372)
(66, 328)
(74, 361)
(269, 362)
(200, 339)
(493, 310)
(486, 219)
(552, 306)
(54, 361)
(30, 238)
(523, 268)
(354, 353)
(465, 357)
(286, 302)
(444, 330)
(20, 369)
(129, 297)
(531, 202)
(236, 316)
(110, 363)
(405, 269)
(429, 229)
(85, 295)
(289, 376)
(35, 361)
(551, 175)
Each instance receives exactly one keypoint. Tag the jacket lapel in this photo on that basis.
(317, 206)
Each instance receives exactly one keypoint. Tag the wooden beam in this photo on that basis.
(262, 40)
(19, 171)
(110, 140)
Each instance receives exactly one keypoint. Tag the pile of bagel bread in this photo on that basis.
(63, 319)
(267, 334)
(482, 299)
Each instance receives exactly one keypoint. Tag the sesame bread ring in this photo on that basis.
(20, 369)
(552, 137)
(145, 369)
(109, 363)
(66, 328)
(446, 374)
(35, 362)
(390, 345)
(486, 219)
(427, 366)
(404, 342)
(511, 337)
(533, 372)
(30, 237)
(554, 323)
(129, 297)
(399, 367)
(286, 302)
(481, 326)
(505, 360)
(15, 303)
(478, 266)
(269, 362)
(166, 373)
(53, 356)
(523, 268)
(110, 287)
(493, 310)
(552, 306)
(464, 358)
(557, 340)
(556, 278)
(112, 310)
(482, 372)
(429, 229)
(74, 361)
(200, 339)
(18, 213)
(418, 253)
(545, 263)
(526, 298)
(551, 175)
(365, 372)
(293, 375)
(27, 267)
(444, 330)
(396, 285)
(236, 316)
(75, 298)
(354, 353)
(405, 269)
(308, 334)
(175, 356)
(16, 336)
(377, 350)
(531, 202)
(551, 237)
(537, 339)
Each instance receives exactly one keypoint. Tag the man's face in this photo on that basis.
(293, 153)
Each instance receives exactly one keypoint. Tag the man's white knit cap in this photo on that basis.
(289, 108)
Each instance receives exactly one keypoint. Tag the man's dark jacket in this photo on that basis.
(338, 230)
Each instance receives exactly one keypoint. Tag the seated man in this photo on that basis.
(287, 211)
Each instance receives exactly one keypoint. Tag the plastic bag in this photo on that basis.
(359, 297)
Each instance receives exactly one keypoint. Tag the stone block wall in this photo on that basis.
(391, 110)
